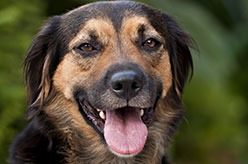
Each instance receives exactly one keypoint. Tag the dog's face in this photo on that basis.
(115, 66)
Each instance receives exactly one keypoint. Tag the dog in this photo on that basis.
(104, 84)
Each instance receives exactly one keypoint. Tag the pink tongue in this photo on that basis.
(124, 131)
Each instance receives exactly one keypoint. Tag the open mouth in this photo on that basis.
(123, 129)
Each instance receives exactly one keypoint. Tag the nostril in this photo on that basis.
(118, 87)
(136, 86)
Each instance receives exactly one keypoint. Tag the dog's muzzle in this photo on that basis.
(121, 117)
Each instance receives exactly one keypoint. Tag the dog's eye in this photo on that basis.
(86, 47)
(151, 43)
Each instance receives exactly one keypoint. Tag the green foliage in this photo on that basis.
(18, 23)
(215, 129)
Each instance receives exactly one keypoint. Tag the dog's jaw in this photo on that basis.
(119, 125)
(158, 139)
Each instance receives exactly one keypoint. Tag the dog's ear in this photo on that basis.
(178, 45)
(40, 63)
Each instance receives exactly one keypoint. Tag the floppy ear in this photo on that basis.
(178, 44)
(40, 63)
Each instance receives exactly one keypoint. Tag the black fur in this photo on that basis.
(36, 144)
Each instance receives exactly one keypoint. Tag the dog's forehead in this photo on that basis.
(115, 11)
(110, 17)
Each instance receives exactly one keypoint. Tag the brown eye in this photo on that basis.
(86, 47)
(151, 43)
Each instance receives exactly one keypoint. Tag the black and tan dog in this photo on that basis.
(105, 85)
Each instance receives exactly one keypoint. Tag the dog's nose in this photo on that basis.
(126, 84)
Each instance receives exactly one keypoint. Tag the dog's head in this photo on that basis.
(116, 68)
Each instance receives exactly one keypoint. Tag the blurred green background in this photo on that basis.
(215, 128)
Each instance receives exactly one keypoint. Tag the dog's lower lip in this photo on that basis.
(91, 115)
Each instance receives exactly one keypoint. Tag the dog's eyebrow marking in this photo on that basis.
(138, 26)
(141, 29)
(95, 29)
(93, 35)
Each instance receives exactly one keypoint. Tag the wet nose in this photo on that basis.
(126, 84)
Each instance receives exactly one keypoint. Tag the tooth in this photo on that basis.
(102, 115)
(141, 112)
